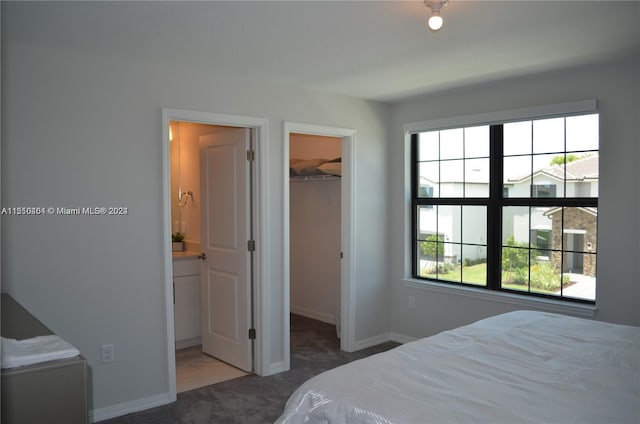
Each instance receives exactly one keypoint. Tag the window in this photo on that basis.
(543, 190)
(509, 206)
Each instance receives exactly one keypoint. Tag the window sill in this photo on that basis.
(550, 305)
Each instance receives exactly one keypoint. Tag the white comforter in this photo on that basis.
(518, 367)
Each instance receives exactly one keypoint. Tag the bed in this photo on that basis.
(522, 366)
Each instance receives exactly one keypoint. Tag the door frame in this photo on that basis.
(260, 213)
(347, 269)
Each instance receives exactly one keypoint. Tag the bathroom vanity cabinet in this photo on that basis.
(186, 284)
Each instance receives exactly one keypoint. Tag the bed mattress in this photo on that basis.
(521, 366)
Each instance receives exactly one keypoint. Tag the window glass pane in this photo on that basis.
(476, 142)
(541, 239)
(428, 146)
(517, 173)
(449, 269)
(583, 132)
(548, 135)
(452, 177)
(430, 255)
(474, 265)
(515, 226)
(428, 177)
(544, 190)
(582, 286)
(451, 144)
(449, 222)
(580, 229)
(476, 175)
(427, 221)
(583, 172)
(545, 278)
(515, 268)
(474, 225)
(517, 138)
(548, 177)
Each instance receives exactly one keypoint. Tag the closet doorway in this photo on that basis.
(318, 239)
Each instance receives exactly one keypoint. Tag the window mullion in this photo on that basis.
(494, 208)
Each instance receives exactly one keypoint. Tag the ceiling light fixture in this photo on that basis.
(435, 21)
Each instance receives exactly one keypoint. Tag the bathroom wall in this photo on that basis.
(187, 171)
(315, 233)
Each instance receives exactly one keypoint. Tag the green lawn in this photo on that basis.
(477, 274)
(474, 274)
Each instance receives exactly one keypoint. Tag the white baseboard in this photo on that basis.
(319, 316)
(371, 341)
(185, 343)
(120, 409)
(275, 368)
(401, 338)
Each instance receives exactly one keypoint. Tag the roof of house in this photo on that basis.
(589, 210)
(582, 169)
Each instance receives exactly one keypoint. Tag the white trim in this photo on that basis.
(371, 341)
(347, 276)
(185, 343)
(168, 257)
(536, 112)
(276, 368)
(401, 338)
(124, 408)
(530, 302)
(309, 313)
(261, 280)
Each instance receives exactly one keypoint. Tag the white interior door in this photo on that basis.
(225, 284)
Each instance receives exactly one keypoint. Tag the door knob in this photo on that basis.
(202, 256)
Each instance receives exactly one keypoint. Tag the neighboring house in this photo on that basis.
(542, 228)
(579, 235)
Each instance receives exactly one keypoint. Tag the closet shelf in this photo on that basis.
(308, 178)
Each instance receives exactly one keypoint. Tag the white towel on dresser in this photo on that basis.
(17, 353)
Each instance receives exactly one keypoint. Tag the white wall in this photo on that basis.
(616, 88)
(315, 212)
(85, 130)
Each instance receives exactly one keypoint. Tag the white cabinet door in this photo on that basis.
(187, 307)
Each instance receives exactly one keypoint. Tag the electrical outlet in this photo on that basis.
(411, 302)
(107, 353)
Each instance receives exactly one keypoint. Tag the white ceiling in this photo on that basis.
(377, 50)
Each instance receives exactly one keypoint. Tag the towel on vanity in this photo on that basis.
(17, 353)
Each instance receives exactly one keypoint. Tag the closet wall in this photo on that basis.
(315, 233)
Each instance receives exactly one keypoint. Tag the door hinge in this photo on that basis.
(251, 155)
(251, 245)
(252, 334)
(341, 255)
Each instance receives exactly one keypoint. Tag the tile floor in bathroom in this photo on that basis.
(195, 369)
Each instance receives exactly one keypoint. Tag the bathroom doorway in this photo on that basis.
(211, 193)
(202, 209)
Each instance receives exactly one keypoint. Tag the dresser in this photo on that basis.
(52, 392)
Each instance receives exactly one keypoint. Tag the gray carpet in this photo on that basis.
(252, 399)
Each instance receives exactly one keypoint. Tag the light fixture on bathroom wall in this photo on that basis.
(183, 198)
(435, 21)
